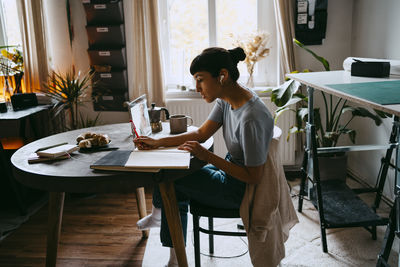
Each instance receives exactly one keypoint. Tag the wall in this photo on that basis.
(376, 35)
(62, 55)
(337, 44)
(336, 47)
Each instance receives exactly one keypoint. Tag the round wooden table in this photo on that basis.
(75, 176)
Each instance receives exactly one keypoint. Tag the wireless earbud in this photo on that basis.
(221, 78)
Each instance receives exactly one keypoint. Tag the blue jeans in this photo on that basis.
(209, 186)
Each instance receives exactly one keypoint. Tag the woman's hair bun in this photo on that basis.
(237, 54)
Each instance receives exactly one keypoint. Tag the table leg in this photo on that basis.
(56, 205)
(22, 128)
(141, 205)
(174, 223)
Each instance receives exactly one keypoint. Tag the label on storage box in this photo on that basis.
(85, 1)
(108, 97)
(302, 6)
(100, 6)
(105, 75)
(104, 53)
(302, 18)
(102, 29)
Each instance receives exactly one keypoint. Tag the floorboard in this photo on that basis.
(96, 231)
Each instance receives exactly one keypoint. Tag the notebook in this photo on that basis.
(57, 151)
(144, 160)
(34, 158)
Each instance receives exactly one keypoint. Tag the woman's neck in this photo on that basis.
(236, 95)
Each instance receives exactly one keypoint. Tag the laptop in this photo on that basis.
(140, 116)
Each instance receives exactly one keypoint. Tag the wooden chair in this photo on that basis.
(338, 205)
(198, 210)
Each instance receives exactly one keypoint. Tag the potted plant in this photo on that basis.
(330, 124)
(68, 90)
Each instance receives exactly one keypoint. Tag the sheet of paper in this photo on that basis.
(164, 149)
(158, 159)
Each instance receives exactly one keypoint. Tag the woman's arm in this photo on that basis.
(205, 131)
(251, 175)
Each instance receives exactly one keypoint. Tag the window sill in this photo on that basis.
(191, 93)
(175, 93)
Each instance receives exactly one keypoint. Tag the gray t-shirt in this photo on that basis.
(247, 130)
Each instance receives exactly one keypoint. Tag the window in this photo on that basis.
(10, 35)
(189, 26)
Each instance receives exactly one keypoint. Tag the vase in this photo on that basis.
(7, 92)
(18, 79)
(250, 81)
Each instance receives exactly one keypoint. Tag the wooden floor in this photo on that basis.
(97, 231)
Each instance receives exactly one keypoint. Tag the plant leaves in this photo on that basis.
(383, 114)
(352, 133)
(294, 130)
(324, 62)
(281, 95)
(302, 113)
(363, 112)
(67, 90)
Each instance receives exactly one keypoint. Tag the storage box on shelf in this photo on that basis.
(113, 57)
(113, 79)
(107, 12)
(109, 101)
(106, 36)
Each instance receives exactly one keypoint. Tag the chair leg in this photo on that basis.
(323, 239)
(211, 236)
(383, 255)
(5, 165)
(196, 235)
(373, 232)
(303, 182)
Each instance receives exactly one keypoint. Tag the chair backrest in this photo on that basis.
(277, 133)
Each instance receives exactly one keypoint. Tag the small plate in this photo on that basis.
(95, 148)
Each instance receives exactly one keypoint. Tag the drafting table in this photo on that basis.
(382, 94)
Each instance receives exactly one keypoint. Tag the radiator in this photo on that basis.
(198, 109)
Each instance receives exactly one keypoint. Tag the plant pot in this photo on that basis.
(333, 167)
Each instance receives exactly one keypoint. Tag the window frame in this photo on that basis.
(2, 26)
(265, 22)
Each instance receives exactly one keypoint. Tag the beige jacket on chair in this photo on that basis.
(267, 211)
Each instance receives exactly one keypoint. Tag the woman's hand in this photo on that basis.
(146, 143)
(195, 149)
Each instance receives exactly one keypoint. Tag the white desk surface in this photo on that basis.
(319, 81)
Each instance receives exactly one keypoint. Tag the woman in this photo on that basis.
(247, 130)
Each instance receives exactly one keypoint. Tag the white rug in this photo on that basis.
(346, 246)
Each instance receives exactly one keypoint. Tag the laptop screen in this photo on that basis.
(140, 115)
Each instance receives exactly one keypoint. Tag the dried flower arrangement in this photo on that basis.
(255, 47)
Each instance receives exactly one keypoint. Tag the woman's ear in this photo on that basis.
(223, 74)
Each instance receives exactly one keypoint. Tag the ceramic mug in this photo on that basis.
(179, 123)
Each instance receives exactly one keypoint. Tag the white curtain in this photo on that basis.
(147, 73)
(34, 45)
(285, 24)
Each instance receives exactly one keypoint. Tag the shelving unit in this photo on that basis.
(106, 35)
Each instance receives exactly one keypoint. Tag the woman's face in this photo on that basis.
(207, 86)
